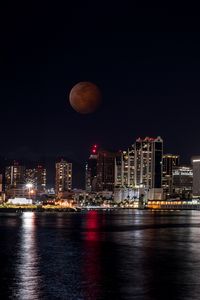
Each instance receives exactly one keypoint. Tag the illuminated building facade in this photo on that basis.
(37, 176)
(148, 153)
(91, 171)
(15, 180)
(138, 171)
(2, 195)
(14, 176)
(182, 180)
(124, 169)
(196, 176)
(63, 177)
(41, 178)
(170, 161)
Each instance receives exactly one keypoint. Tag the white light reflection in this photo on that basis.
(28, 264)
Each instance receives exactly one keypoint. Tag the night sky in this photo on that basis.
(146, 61)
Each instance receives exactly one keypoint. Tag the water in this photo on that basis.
(124, 254)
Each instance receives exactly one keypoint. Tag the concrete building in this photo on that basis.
(106, 170)
(170, 161)
(37, 176)
(63, 178)
(148, 153)
(15, 180)
(196, 176)
(14, 175)
(20, 201)
(91, 171)
(124, 168)
(182, 181)
(138, 171)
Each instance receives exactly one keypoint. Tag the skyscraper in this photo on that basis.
(63, 177)
(91, 171)
(148, 154)
(15, 180)
(41, 177)
(14, 175)
(124, 168)
(37, 176)
(105, 170)
(170, 161)
(196, 176)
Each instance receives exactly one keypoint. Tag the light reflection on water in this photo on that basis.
(27, 266)
(98, 255)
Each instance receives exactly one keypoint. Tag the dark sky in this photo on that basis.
(145, 59)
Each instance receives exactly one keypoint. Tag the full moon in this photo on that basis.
(85, 97)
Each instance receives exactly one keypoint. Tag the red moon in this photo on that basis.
(85, 97)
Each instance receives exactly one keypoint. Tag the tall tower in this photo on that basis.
(148, 154)
(91, 171)
(124, 168)
(14, 176)
(196, 176)
(37, 176)
(170, 161)
(106, 170)
(41, 178)
(63, 177)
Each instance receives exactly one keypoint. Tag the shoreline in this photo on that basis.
(23, 209)
(75, 210)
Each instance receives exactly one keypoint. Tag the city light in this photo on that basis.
(29, 185)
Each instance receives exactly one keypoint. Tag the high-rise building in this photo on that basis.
(91, 171)
(148, 153)
(63, 177)
(14, 175)
(37, 176)
(41, 176)
(1, 183)
(196, 176)
(170, 161)
(124, 168)
(138, 171)
(105, 170)
(182, 178)
(15, 180)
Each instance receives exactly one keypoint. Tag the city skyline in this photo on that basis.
(100, 152)
(79, 167)
(79, 180)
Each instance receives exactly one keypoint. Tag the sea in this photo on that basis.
(100, 254)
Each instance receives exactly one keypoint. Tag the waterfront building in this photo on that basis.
(124, 168)
(41, 179)
(20, 201)
(196, 176)
(14, 175)
(2, 195)
(37, 176)
(91, 171)
(63, 178)
(170, 161)
(1, 183)
(105, 170)
(15, 180)
(138, 171)
(148, 153)
(182, 181)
